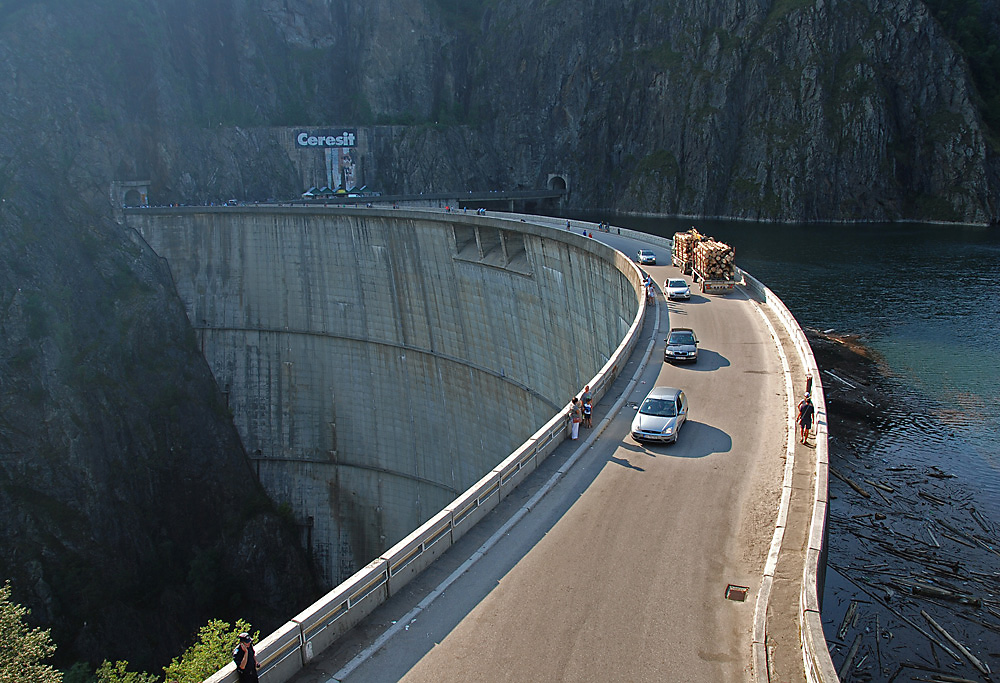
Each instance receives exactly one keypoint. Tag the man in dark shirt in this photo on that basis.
(805, 418)
(246, 660)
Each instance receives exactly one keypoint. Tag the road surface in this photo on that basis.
(620, 571)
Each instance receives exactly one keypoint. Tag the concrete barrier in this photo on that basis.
(414, 553)
(817, 662)
(338, 611)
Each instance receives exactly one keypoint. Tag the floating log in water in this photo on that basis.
(879, 485)
(918, 588)
(846, 666)
(939, 473)
(848, 617)
(980, 520)
(849, 482)
(986, 546)
(932, 498)
(939, 675)
(982, 668)
(956, 539)
(954, 530)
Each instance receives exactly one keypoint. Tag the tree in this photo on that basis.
(212, 651)
(22, 649)
(119, 673)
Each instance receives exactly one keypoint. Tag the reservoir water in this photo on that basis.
(926, 300)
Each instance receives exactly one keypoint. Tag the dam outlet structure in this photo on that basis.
(379, 362)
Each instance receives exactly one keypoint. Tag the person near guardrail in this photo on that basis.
(588, 410)
(575, 418)
(806, 410)
(246, 660)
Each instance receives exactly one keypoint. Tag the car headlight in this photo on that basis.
(668, 430)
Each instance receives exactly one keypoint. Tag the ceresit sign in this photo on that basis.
(346, 138)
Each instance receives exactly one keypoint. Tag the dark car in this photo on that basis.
(681, 346)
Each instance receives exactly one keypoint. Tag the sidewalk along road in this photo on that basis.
(620, 571)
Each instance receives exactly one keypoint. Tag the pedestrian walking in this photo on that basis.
(805, 420)
(588, 410)
(246, 660)
(576, 417)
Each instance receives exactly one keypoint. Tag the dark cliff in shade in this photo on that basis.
(825, 110)
(129, 514)
(127, 499)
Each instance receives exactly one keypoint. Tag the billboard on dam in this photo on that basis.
(340, 155)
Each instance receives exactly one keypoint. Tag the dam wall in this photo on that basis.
(379, 362)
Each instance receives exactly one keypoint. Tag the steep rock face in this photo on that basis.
(125, 496)
(129, 514)
(787, 110)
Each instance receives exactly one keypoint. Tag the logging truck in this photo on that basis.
(712, 285)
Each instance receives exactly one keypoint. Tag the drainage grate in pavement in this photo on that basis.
(737, 593)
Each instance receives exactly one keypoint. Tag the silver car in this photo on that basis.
(681, 346)
(646, 257)
(676, 288)
(661, 415)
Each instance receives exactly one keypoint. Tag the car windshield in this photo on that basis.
(681, 338)
(646, 253)
(677, 283)
(658, 407)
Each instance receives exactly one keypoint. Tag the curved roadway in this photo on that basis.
(619, 572)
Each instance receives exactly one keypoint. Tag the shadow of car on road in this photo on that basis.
(695, 299)
(696, 440)
(708, 360)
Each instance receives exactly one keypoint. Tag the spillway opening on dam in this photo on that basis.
(379, 362)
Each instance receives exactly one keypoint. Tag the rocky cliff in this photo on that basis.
(791, 110)
(126, 496)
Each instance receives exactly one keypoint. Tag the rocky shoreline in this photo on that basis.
(912, 583)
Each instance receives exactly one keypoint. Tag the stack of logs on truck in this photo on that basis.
(706, 260)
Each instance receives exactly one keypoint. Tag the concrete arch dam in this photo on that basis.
(379, 362)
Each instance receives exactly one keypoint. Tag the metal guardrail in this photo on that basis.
(287, 650)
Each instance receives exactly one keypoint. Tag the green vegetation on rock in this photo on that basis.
(23, 649)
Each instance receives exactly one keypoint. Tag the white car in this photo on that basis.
(676, 288)
(661, 415)
(646, 257)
